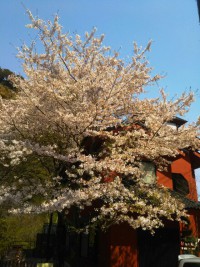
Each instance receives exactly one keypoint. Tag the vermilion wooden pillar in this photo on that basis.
(121, 245)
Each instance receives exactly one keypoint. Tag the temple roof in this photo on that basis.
(178, 121)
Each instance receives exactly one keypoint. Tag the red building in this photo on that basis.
(122, 246)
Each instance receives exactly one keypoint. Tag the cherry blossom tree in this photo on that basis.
(80, 115)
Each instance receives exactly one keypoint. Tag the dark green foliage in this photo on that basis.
(4, 74)
(33, 171)
(7, 90)
(20, 230)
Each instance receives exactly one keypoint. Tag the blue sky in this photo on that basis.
(172, 25)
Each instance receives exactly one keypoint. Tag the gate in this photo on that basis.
(160, 249)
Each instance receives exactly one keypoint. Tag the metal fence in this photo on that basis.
(17, 264)
(9, 263)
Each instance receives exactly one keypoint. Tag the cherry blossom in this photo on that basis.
(74, 90)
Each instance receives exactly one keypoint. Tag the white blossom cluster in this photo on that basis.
(75, 89)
